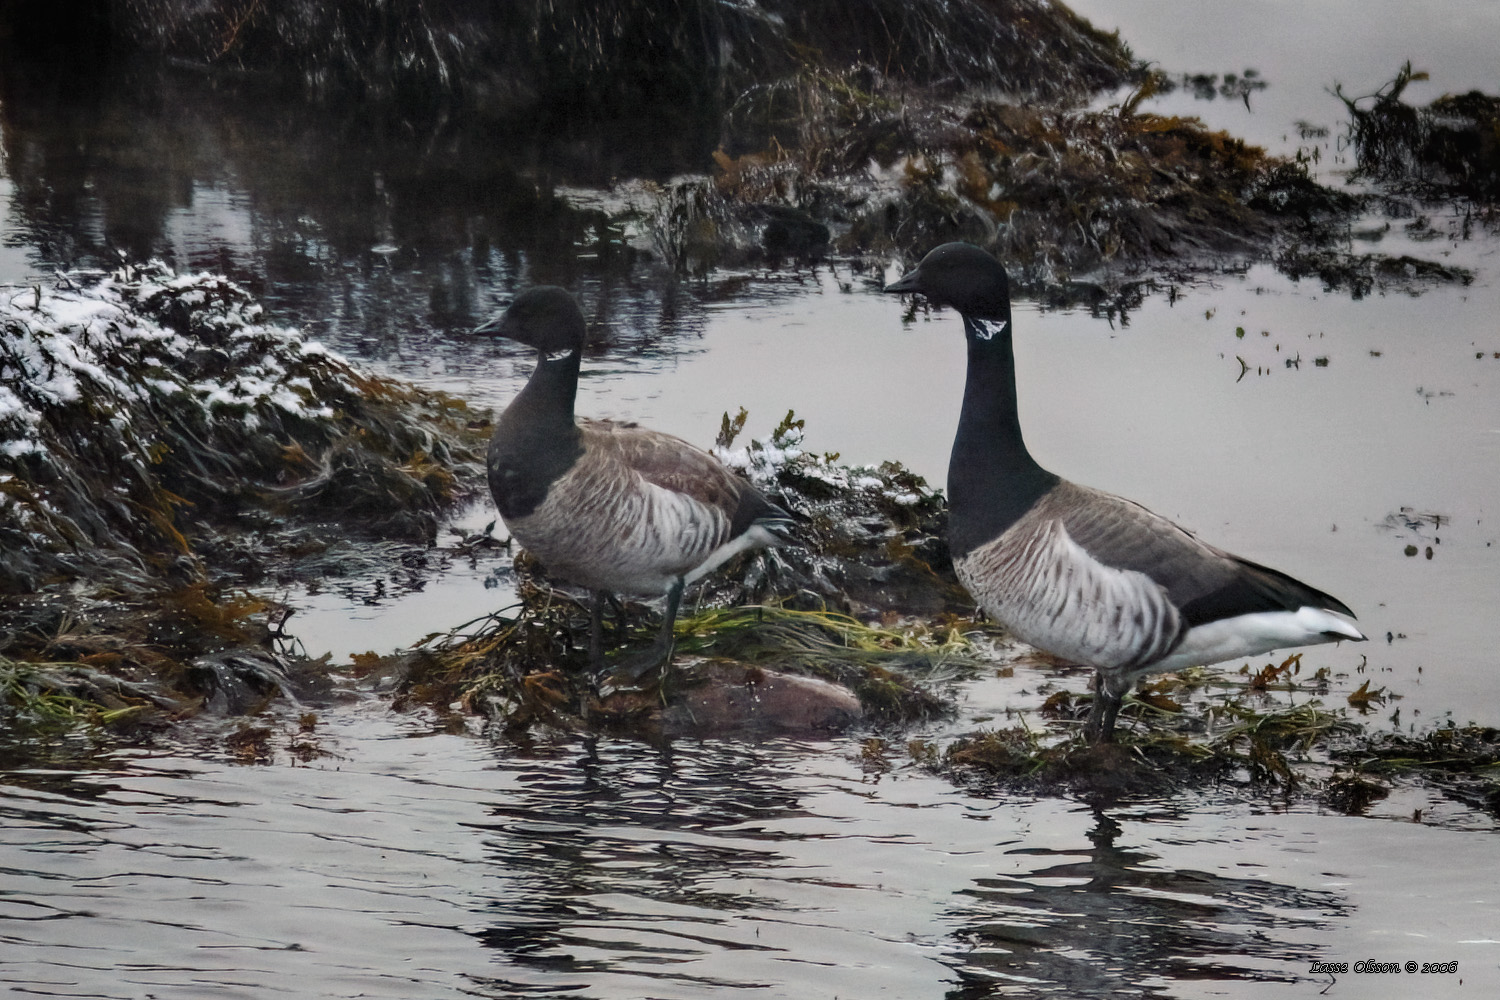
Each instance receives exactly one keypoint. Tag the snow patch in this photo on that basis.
(89, 349)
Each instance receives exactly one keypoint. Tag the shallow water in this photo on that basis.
(416, 863)
(1302, 52)
(412, 863)
(381, 855)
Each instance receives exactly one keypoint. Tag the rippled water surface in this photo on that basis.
(381, 855)
(410, 863)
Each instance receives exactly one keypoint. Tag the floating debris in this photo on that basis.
(1207, 86)
(1462, 761)
(1360, 274)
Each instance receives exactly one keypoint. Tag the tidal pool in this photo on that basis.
(1382, 433)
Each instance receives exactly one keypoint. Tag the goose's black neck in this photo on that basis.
(536, 439)
(992, 478)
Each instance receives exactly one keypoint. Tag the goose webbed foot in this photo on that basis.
(630, 670)
(633, 668)
(1100, 727)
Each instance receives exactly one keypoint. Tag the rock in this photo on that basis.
(738, 698)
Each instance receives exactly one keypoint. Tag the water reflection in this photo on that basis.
(665, 864)
(176, 875)
(406, 863)
(378, 236)
(1112, 920)
(637, 861)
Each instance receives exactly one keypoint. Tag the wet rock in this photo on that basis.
(240, 681)
(736, 699)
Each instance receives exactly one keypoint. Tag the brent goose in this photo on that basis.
(1082, 574)
(605, 504)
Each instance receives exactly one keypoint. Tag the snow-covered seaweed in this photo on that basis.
(144, 413)
(162, 443)
(871, 537)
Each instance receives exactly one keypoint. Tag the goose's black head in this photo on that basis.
(962, 276)
(544, 317)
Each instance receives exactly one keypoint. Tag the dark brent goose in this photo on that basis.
(1085, 575)
(604, 504)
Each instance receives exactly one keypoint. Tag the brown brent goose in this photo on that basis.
(1090, 577)
(604, 504)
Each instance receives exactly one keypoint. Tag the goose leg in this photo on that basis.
(664, 638)
(659, 654)
(619, 609)
(1100, 727)
(596, 628)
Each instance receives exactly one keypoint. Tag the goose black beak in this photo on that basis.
(909, 283)
(492, 327)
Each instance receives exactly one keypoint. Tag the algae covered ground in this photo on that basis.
(166, 452)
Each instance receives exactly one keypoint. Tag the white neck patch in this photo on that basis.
(557, 355)
(985, 329)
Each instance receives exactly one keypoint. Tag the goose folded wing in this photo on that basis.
(1205, 583)
(673, 464)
